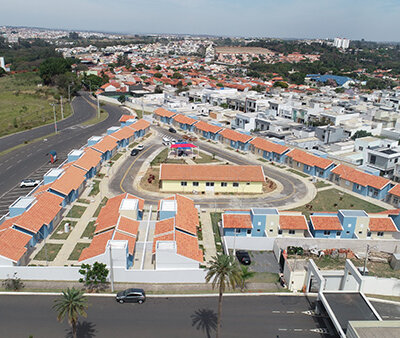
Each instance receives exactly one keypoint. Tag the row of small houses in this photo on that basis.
(358, 181)
(32, 218)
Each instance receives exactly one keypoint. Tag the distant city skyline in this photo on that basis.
(356, 19)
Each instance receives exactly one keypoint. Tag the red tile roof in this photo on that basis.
(123, 133)
(163, 112)
(201, 125)
(263, 144)
(184, 119)
(186, 217)
(188, 246)
(108, 143)
(90, 159)
(164, 226)
(382, 224)
(237, 221)
(140, 124)
(97, 246)
(235, 136)
(13, 244)
(356, 176)
(125, 118)
(161, 238)
(292, 222)
(309, 159)
(326, 223)
(224, 173)
(128, 226)
(395, 190)
(119, 236)
(71, 179)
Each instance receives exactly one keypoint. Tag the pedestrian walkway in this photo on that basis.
(208, 235)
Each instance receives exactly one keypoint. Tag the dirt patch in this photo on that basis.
(151, 180)
(268, 186)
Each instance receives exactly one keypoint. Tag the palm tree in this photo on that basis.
(71, 304)
(245, 275)
(224, 272)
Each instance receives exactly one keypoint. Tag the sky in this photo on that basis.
(373, 20)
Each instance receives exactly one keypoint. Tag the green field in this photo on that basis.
(24, 105)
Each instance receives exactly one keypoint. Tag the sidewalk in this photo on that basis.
(208, 235)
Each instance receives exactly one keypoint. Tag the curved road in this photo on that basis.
(293, 190)
(32, 160)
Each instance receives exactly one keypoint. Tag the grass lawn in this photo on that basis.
(96, 119)
(76, 211)
(264, 277)
(321, 184)
(24, 105)
(95, 189)
(205, 158)
(60, 228)
(298, 173)
(89, 230)
(160, 158)
(216, 217)
(52, 251)
(333, 200)
(75, 254)
(262, 159)
(102, 204)
(155, 184)
(140, 113)
(117, 156)
(83, 200)
(134, 144)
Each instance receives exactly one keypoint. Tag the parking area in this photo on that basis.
(264, 261)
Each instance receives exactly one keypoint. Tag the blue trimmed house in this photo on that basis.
(269, 150)
(207, 130)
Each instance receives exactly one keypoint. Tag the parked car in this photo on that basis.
(166, 143)
(134, 152)
(140, 147)
(172, 130)
(131, 296)
(243, 257)
(29, 183)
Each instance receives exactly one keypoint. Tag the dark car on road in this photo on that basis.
(172, 130)
(131, 296)
(134, 152)
(243, 257)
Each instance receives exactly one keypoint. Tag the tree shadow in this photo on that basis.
(83, 330)
(205, 320)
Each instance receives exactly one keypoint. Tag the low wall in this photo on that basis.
(381, 286)
(109, 99)
(249, 243)
(52, 273)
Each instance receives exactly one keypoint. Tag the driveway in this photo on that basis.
(263, 261)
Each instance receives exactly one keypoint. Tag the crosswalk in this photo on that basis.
(13, 194)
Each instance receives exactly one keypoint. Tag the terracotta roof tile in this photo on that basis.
(97, 246)
(125, 118)
(164, 226)
(108, 143)
(201, 125)
(186, 217)
(263, 144)
(128, 225)
(12, 244)
(184, 119)
(188, 246)
(356, 176)
(326, 223)
(123, 133)
(395, 190)
(41, 189)
(237, 221)
(224, 173)
(109, 214)
(309, 159)
(119, 236)
(382, 224)
(235, 136)
(163, 112)
(71, 179)
(165, 237)
(140, 124)
(289, 222)
(90, 159)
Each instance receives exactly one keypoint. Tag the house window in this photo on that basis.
(348, 232)
(224, 184)
(369, 234)
(235, 184)
(258, 230)
(292, 232)
(271, 230)
(195, 184)
(298, 164)
(338, 233)
(249, 231)
(395, 200)
(327, 232)
(347, 182)
(360, 232)
(209, 184)
(380, 233)
(279, 232)
(372, 159)
(238, 231)
(248, 183)
(183, 184)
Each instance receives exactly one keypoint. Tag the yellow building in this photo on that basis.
(240, 179)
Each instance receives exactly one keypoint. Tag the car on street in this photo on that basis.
(166, 143)
(131, 296)
(134, 152)
(27, 183)
(140, 147)
(172, 130)
(243, 257)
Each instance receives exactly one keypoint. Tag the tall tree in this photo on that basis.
(71, 304)
(223, 271)
(245, 275)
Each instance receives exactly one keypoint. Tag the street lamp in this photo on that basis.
(55, 118)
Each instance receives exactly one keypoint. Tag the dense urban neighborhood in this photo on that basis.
(170, 169)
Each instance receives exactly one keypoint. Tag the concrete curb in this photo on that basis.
(378, 300)
(10, 293)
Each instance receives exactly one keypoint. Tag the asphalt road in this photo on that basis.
(82, 115)
(253, 316)
(31, 161)
(293, 188)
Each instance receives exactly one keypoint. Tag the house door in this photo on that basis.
(248, 233)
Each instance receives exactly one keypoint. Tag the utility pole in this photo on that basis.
(111, 268)
(62, 109)
(98, 107)
(366, 259)
(55, 118)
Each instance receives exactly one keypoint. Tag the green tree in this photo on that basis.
(71, 304)
(52, 67)
(281, 84)
(121, 99)
(360, 133)
(219, 84)
(73, 35)
(177, 75)
(158, 67)
(13, 283)
(94, 277)
(123, 60)
(245, 275)
(158, 75)
(223, 272)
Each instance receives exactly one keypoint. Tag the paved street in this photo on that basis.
(32, 160)
(258, 316)
(294, 188)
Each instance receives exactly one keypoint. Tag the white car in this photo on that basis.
(140, 147)
(29, 183)
(166, 143)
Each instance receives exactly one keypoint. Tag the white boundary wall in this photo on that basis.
(52, 273)
(381, 286)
